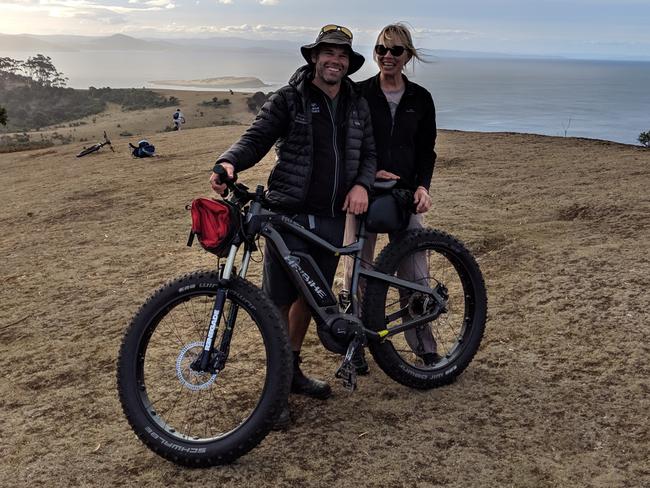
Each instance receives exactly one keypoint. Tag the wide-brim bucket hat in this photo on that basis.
(337, 36)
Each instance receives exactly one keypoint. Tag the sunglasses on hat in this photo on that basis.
(333, 27)
(396, 51)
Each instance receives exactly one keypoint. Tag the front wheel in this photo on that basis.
(200, 418)
(434, 353)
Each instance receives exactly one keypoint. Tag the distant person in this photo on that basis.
(178, 119)
(231, 92)
(325, 165)
(404, 126)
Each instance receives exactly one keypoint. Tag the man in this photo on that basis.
(178, 119)
(325, 166)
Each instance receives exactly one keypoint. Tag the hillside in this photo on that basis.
(218, 82)
(558, 394)
(123, 126)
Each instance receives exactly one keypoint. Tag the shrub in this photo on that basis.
(644, 138)
(256, 101)
(215, 102)
(22, 142)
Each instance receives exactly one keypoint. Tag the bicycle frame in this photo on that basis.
(308, 278)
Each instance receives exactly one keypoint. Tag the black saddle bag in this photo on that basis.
(389, 211)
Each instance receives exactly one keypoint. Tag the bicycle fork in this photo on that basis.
(212, 360)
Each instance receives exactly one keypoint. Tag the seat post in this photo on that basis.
(354, 284)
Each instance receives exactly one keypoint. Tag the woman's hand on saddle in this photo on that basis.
(422, 200)
(215, 181)
(356, 201)
(382, 174)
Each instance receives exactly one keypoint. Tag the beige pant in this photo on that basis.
(420, 339)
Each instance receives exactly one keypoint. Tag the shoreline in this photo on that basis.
(191, 102)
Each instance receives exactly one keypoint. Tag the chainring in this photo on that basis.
(330, 342)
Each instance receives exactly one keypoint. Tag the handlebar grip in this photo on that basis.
(223, 174)
(224, 178)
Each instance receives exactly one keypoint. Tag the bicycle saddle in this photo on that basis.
(384, 184)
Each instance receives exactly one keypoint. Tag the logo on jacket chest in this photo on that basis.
(315, 108)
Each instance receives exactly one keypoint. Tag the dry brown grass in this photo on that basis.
(558, 395)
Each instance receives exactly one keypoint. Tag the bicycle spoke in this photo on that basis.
(185, 400)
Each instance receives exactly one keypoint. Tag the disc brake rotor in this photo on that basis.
(189, 378)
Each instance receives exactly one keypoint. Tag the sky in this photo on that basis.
(584, 28)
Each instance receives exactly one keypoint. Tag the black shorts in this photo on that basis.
(276, 283)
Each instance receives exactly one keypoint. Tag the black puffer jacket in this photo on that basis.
(285, 121)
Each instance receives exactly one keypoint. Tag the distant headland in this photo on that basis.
(218, 82)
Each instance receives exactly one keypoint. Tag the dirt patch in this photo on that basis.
(558, 395)
(588, 212)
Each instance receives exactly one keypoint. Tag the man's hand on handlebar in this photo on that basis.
(216, 180)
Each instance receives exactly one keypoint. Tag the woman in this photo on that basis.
(404, 126)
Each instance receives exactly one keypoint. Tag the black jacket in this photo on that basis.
(404, 147)
(285, 120)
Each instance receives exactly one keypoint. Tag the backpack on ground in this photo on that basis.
(144, 149)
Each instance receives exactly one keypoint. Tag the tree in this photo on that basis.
(9, 65)
(3, 116)
(644, 138)
(41, 70)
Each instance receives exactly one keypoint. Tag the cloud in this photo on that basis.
(105, 17)
(225, 2)
(444, 33)
(269, 2)
(262, 30)
(84, 8)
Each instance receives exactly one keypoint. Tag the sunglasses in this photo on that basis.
(396, 51)
(333, 27)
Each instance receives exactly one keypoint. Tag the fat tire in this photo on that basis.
(274, 396)
(385, 355)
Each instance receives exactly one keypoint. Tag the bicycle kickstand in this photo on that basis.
(347, 372)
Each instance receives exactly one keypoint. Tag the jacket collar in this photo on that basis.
(376, 86)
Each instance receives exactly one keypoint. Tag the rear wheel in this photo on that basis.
(435, 353)
(194, 418)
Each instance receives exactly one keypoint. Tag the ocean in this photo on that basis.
(596, 99)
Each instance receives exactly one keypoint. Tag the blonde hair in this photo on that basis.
(398, 33)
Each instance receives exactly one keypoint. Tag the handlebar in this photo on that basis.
(240, 192)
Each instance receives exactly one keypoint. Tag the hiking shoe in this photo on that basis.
(284, 420)
(311, 387)
(302, 385)
(359, 362)
(430, 358)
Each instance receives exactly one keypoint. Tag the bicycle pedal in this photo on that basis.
(348, 373)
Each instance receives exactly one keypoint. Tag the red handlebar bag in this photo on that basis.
(215, 223)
